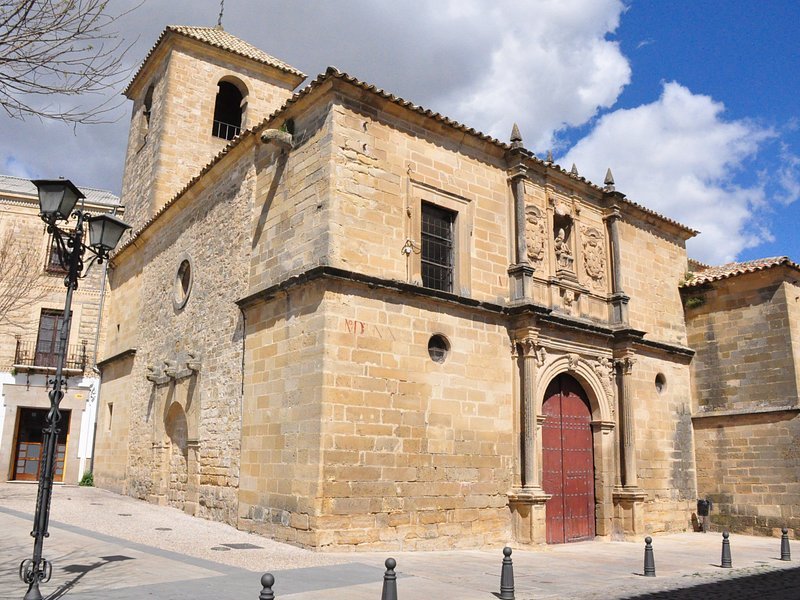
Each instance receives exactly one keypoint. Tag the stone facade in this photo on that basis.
(278, 358)
(26, 361)
(745, 329)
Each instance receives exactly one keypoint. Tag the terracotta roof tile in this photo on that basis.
(219, 38)
(709, 274)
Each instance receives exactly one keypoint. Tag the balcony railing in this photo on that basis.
(226, 131)
(26, 357)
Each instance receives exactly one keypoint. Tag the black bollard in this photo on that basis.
(649, 559)
(726, 551)
(389, 581)
(786, 553)
(267, 581)
(507, 576)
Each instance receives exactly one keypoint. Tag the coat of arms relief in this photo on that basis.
(535, 238)
(594, 257)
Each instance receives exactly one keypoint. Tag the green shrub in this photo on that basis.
(87, 480)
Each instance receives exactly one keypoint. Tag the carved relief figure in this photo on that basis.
(563, 253)
(572, 361)
(605, 371)
(594, 260)
(568, 298)
(534, 234)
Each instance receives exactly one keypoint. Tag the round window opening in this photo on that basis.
(183, 284)
(438, 348)
(661, 383)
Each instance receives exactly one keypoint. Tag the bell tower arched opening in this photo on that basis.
(229, 110)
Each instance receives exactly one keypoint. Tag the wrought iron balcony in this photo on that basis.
(226, 131)
(28, 358)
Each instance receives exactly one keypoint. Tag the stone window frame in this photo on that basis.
(464, 209)
(180, 296)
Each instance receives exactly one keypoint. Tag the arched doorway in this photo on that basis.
(568, 462)
(177, 431)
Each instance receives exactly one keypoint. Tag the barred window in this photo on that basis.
(53, 261)
(437, 247)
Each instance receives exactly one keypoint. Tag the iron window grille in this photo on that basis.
(437, 247)
(54, 264)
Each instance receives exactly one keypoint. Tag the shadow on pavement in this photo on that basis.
(81, 571)
(781, 584)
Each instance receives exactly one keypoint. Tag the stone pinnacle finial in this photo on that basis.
(574, 170)
(609, 181)
(516, 137)
(549, 158)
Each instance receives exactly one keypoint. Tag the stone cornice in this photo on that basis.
(115, 357)
(544, 316)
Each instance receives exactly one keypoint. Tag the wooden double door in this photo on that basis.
(568, 462)
(28, 459)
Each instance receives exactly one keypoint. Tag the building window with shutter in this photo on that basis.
(50, 323)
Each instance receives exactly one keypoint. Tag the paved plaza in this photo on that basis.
(116, 548)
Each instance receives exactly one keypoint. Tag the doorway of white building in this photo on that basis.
(28, 447)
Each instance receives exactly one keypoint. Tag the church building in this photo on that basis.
(343, 320)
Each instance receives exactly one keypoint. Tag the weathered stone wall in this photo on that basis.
(792, 293)
(209, 230)
(179, 143)
(354, 437)
(291, 213)
(653, 264)
(664, 441)
(748, 465)
(417, 453)
(747, 418)
(742, 336)
(112, 437)
(279, 487)
(383, 170)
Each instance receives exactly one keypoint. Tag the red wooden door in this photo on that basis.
(568, 462)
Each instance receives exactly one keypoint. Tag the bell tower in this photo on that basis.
(196, 90)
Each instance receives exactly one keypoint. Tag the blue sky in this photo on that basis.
(693, 104)
(744, 54)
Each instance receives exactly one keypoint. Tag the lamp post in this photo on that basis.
(57, 200)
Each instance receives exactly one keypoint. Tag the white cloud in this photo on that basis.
(545, 64)
(679, 156)
(788, 176)
(551, 67)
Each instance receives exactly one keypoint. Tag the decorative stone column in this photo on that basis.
(530, 466)
(521, 272)
(628, 501)
(528, 503)
(619, 301)
(629, 479)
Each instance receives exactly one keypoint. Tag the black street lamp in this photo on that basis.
(57, 200)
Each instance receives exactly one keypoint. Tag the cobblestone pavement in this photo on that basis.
(116, 548)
